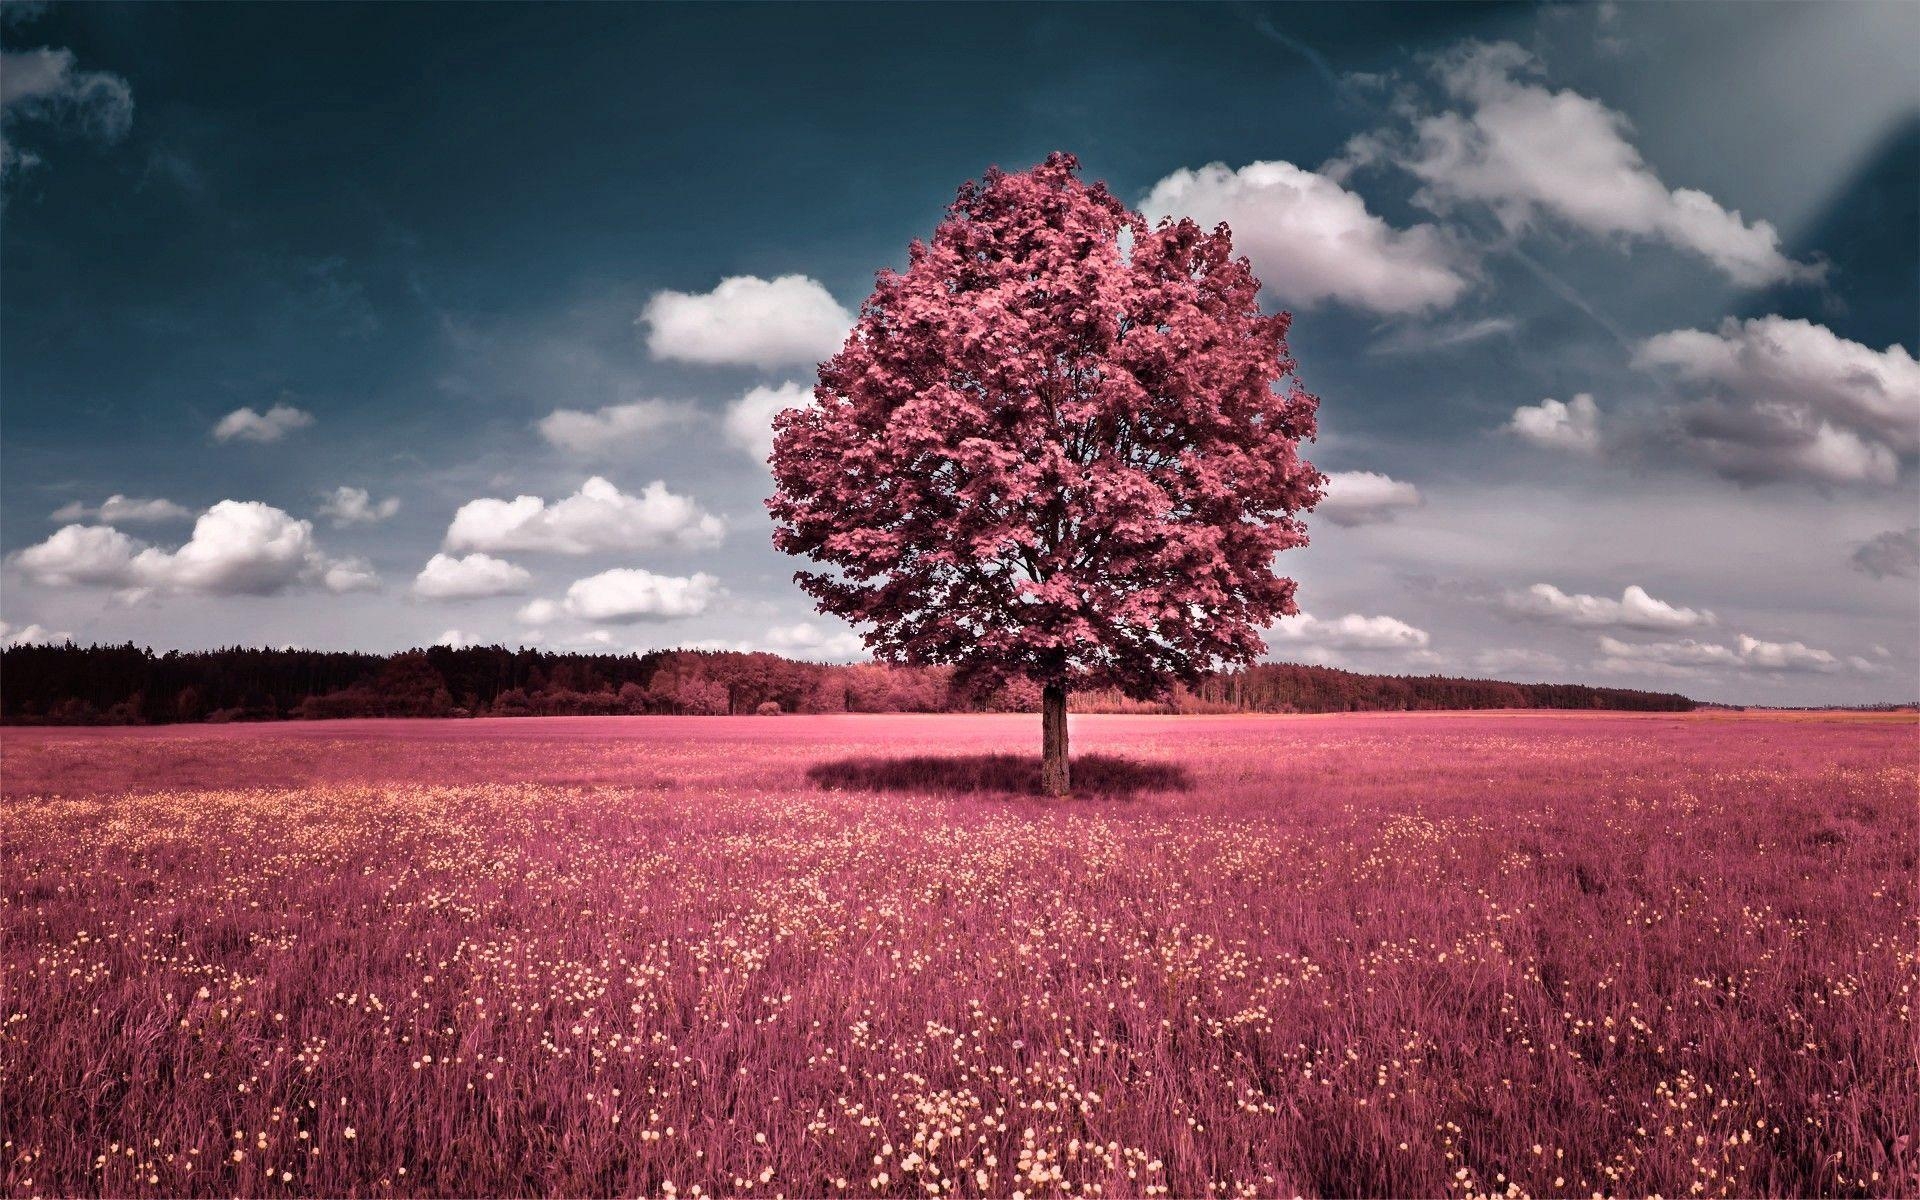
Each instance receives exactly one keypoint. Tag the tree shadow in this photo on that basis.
(1015, 774)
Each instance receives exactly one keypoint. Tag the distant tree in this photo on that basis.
(187, 705)
(408, 686)
(128, 685)
(1062, 445)
(684, 684)
(829, 693)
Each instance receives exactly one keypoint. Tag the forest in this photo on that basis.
(131, 685)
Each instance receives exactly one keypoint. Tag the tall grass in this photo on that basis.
(1367, 955)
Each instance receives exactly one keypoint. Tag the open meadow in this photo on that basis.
(1369, 954)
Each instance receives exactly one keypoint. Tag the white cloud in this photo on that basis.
(81, 556)
(748, 321)
(1311, 240)
(1366, 498)
(1686, 656)
(45, 87)
(1778, 398)
(455, 639)
(597, 517)
(246, 425)
(353, 506)
(629, 594)
(537, 612)
(1352, 632)
(614, 428)
(1678, 660)
(1635, 609)
(124, 510)
(1785, 656)
(749, 420)
(1526, 151)
(804, 639)
(349, 575)
(1573, 426)
(1894, 554)
(32, 635)
(448, 578)
(238, 547)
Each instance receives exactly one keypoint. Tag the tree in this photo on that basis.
(1062, 445)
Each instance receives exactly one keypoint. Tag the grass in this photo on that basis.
(1352, 955)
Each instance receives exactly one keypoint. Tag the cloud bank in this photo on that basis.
(238, 548)
(598, 517)
(1774, 398)
(1510, 144)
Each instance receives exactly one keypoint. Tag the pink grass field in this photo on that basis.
(1347, 955)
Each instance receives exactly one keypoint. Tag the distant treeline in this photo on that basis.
(123, 685)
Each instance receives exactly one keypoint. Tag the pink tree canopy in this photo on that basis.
(1062, 445)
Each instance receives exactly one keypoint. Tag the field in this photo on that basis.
(1371, 954)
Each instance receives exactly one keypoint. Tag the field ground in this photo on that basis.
(1365, 954)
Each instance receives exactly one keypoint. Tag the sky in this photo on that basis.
(380, 326)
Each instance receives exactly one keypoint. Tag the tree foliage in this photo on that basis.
(1061, 446)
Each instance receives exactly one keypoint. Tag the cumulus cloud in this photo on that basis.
(238, 547)
(804, 639)
(81, 556)
(353, 506)
(1894, 554)
(749, 420)
(246, 425)
(537, 612)
(597, 517)
(1573, 426)
(1526, 152)
(448, 578)
(1311, 240)
(1366, 498)
(1688, 656)
(124, 510)
(1352, 632)
(748, 321)
(613, 428)
(455, 639)
(32, 635)
(349, 575)
(1785, 656)
(1678, 659)
(1775, 398)
(47, 88)
(1635, 609)
(629, 594)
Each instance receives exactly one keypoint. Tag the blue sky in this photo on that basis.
(1612, 311)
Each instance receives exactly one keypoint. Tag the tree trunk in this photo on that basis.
(1054, 777)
